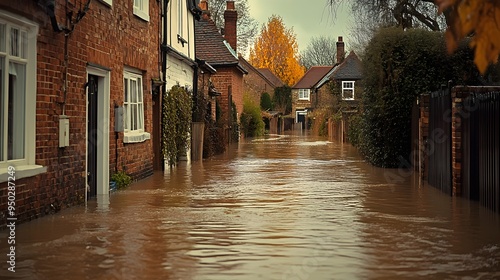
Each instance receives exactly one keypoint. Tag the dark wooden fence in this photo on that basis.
(439, 141)
(481, 148)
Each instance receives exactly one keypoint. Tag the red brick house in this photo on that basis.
(70, 64)
(302, 92)
(312, 91)
(219, 51)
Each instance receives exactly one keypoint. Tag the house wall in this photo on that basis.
(225, 80)
(179, 73)
(254, 85)
(187, 29)
(299, 104)
(323, 98)
(110, 37)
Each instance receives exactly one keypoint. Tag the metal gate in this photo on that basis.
(481, 148)
(439, 141)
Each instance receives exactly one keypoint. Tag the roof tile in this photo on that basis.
(312, 76)
(210, 44)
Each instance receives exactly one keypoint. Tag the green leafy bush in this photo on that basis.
(251, 119)
(265, 102)
(177, 114)
(122, 179)
(398, 66)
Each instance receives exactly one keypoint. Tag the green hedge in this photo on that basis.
(265, 102)
(398, 66)
(251, 119)
(177, 115)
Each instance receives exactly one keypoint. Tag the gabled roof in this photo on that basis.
(275, 81)
(312, 77)
(210, 45)
(349, 69)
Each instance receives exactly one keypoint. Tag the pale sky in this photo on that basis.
(309, 18)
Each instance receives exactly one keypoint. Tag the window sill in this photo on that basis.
(304, 99)
(136, 137)
(142, 15)
(22, 171)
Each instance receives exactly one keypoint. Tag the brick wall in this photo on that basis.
(229, 80)
(254, 85)
(323, 98)
(110, 37)
(299, 104)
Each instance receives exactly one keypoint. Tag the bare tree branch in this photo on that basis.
(320, 51)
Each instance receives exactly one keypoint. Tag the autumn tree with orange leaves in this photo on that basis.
(479, 18)
(277, 49)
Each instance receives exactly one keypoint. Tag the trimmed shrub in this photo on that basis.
(177, 114)
(266, 102)
(251, 119)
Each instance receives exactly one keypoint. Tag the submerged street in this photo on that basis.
(281, 207)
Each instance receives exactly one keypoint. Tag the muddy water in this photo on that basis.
(275, 208)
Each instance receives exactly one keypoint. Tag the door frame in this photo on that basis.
(301, 113)
(103, 126)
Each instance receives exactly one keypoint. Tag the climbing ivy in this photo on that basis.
(177, 113)
(235, 127)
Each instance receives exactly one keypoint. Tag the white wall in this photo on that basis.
(179, 73)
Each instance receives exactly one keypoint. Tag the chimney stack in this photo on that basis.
(205, 14)
(230, 18)
(340, 50)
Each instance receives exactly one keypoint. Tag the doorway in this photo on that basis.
(92, 137)
(97, 130)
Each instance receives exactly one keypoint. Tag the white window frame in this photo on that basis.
(347, 85)
(107, 2)
(180, 17)
(141, 9)
(304, 94)
(300, 112)
(25, 167)
(138, 134)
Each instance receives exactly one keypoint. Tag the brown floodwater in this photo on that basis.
(281, 207)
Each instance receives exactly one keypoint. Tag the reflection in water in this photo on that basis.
(273, 208)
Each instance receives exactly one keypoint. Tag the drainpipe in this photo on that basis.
(51, 12)
(164, 70)
(164, 46)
